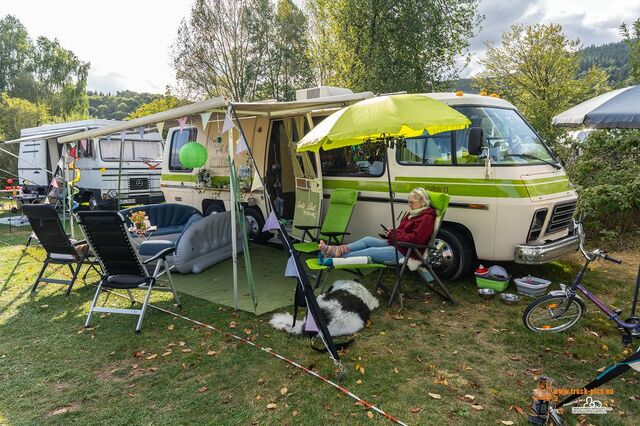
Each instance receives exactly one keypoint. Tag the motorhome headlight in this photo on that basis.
(536, 224)
(112, 193)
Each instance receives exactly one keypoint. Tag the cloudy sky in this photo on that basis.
(127, 41)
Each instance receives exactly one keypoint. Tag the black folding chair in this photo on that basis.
(48, 229)
(122, 267)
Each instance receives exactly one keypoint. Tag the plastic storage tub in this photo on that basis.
(532, 286)
(497, 283)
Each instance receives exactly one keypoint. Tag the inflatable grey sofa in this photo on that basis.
(203, 243)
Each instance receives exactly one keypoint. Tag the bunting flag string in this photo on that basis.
(291, 270)
(123, 136)
(271, 222)
(83, 144)
(228, 123)
(205, 116)
(182, 121)
(54, 183)
(160, 127)
(242, 146)
(141, 132)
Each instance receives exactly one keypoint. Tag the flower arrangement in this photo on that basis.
(204, 177)
(139, 220)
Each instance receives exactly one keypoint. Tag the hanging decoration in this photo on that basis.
(83, 144)
(160, 127)
(193, 155)
(242, 146)
(205, 119)
(74, 152)
(182, 121)
(103, 170)
(228, 122)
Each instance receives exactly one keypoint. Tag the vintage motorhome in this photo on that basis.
(98, 163)
(514, 202)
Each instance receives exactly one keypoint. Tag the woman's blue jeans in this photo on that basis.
(378, 250)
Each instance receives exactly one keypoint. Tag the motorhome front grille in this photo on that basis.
(561, 217)
(138, 183)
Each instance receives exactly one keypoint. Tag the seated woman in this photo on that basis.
(416, 227)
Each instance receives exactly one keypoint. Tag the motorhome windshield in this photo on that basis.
(133, 150)
(510, 139)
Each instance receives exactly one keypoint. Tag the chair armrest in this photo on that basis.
(306, 227)
(334, 234)
(160, 255)
(411, 245)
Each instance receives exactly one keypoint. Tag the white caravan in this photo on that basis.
(513, 202)
(98, 163)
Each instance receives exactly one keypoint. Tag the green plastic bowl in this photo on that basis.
(492, 283)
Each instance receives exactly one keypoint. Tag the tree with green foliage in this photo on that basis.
(215, 53)
(168, 101)
(118, 106)
(41, 72)
(631, 38)
(15, 115)
(536, 69)
(390, 46)
(286, 65)
(605, 168)
(15, 48)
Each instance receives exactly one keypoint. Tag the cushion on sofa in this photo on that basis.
(151, 247)
(165, 215)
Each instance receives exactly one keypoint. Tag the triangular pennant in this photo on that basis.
(160, 127)
(60, 164)
(271, 223)
(54, 183)
(182, 121)
(310, 323)
(123, 136)
(228, 123)
(291, 269)
(83, 144)
(108, 138)
(256, 183)
(242, 146)
(205, 119)
(141, 132)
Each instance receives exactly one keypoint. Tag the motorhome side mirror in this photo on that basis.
(475, 141)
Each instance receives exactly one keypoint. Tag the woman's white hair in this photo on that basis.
(420, 194)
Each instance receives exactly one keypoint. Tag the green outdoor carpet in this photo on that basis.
(275, 291)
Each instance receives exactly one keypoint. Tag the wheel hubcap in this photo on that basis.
(444, 257)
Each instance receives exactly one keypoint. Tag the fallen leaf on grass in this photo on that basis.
(233, 324)
(44, 306)
(247, 331)
(435, 395)
(170, 327)
(154, 356)
(211, 353)
(516, 409)
(361, 369)
(469, 397)
(415, 409)
(295, 413)
(272, 406)
(594, 333)
(395, 370)
(203, 389)
(369, 414)
(477, 407)
(167, 353)
(359, 381)
(181, 343)
(186, 350)
(283, 391)
(506, 422)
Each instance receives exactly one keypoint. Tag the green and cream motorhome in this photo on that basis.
(512, 202)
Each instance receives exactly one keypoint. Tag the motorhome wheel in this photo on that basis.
(213, 209)
(93, 203)
(453, 255)
(255, 223)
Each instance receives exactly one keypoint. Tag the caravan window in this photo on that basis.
(132, 150)
(180, 138)
(428, 150)
(364, 160)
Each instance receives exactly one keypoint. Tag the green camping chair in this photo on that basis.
(341, 205)
(423, 252)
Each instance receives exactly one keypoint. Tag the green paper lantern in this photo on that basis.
(193, 155)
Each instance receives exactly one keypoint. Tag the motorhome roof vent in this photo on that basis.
(321, 92)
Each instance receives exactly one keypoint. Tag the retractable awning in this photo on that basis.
(44, 135)
(219, 104)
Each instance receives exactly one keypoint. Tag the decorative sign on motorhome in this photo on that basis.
(193, 155)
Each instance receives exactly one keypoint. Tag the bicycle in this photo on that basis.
(561, 309)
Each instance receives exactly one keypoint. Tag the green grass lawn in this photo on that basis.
(52, 371)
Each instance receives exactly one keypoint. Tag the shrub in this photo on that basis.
(605, 168)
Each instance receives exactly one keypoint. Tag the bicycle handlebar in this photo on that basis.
(611, 259)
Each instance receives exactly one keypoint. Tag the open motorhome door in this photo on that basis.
(308, 178)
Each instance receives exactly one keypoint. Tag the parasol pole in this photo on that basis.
(393, 210)
(232, 201)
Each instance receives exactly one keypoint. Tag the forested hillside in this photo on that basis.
(118, 106)
(612, 57)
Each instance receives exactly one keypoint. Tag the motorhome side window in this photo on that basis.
(179, 139)
(427, 150)
(366, 159)
(85, 150)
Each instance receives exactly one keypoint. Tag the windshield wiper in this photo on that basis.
(533, 157)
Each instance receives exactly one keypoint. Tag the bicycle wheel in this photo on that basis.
(545, 314)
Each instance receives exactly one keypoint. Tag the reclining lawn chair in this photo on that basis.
(122, 267)
(334, 226)
(47, 228)
(423, 253)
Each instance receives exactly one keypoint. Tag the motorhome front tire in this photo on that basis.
(255, 223)
(454, 254)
